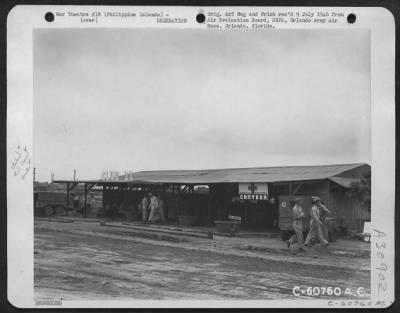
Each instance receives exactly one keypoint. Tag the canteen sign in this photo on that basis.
(253, 191)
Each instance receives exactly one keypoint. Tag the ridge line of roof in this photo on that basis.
(249, 168)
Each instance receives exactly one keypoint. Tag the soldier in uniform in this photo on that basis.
(297, 224)
(153, 207)
(315, 225)
(145, 208)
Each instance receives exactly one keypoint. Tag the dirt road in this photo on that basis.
(74, 266)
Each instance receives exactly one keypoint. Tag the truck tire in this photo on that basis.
(48, 210)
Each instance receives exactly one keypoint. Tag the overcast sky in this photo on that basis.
(134, 99)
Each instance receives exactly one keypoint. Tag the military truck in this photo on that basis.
(48, 203)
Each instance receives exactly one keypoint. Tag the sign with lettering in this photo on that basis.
(253, 191)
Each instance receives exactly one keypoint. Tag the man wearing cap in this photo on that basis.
(153, 207)
(315, 224)
(297, 224)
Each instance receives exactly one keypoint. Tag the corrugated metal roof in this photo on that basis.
(344, 181)
(245, 175)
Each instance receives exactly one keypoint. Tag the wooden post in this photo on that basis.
(102, 198)
(296, 189)
(209, 223)
(246, 216)
(329, 194)
(210, 208)
(85, 202)
(67, 208)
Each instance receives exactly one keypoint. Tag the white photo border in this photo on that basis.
(20, 254)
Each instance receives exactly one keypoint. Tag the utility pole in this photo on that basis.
(34, 174)
(74, 174)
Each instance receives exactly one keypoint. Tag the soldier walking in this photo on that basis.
(297, 224)
(315, 224)
(153, 207)
(145, 208)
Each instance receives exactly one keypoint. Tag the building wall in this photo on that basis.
(318, 189)
(348, 213)
(219, 204)
(254, 214)
(352, 214)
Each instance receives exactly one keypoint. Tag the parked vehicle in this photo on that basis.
(48, 203)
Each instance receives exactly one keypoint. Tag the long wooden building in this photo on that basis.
(258, 195)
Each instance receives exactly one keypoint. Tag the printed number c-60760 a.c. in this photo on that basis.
(328, 291)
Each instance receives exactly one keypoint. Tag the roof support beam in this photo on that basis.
(90, 186)
(185, 189)
(67, 208)
(73, 185)
(296, 188)
(85, 201)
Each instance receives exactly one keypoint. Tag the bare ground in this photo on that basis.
(80, 266)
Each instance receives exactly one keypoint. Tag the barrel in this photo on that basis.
(331, 224)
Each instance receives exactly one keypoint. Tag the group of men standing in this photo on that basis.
(152, 207)
(318, 228)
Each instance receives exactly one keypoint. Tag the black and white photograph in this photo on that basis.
(200, 164)
(204, 165)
